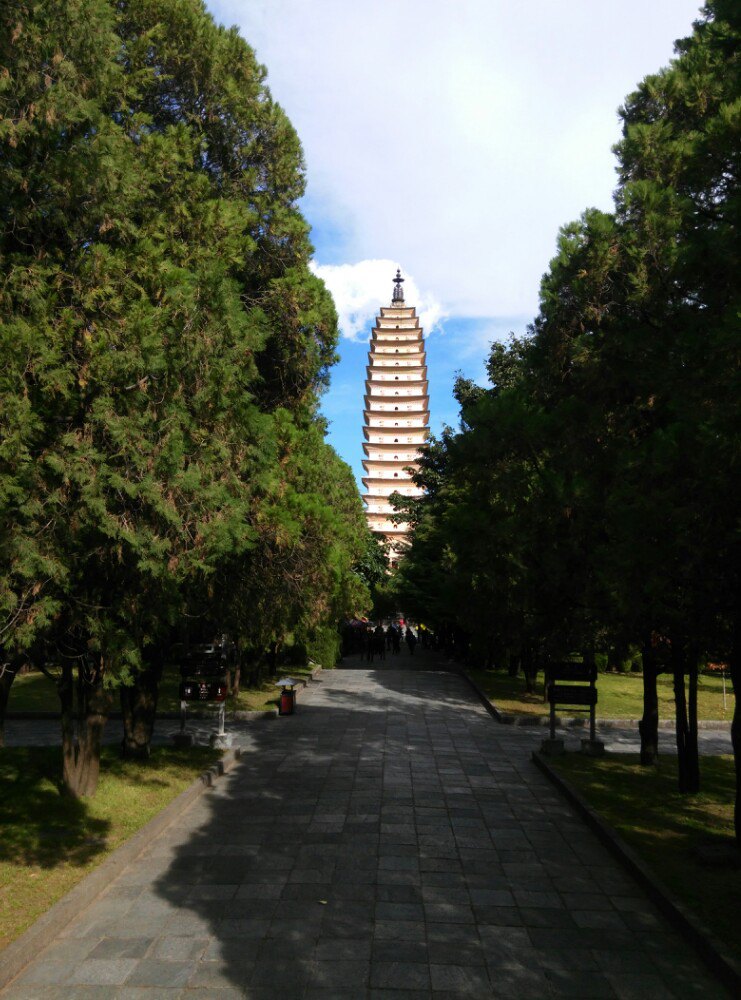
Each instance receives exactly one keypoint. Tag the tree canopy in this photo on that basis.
(588, 499)
(164, 345)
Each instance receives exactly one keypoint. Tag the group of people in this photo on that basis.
(369, 640)
(376, 641)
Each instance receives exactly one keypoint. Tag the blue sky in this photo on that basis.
(450, 139)
(458, 344)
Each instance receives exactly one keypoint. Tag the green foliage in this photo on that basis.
(323, 647)
(587, 500)
(163, 344)
(372, 566)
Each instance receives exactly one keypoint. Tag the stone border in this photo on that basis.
(490, 707)
(580, 722)
(722, 964)
(19, 953)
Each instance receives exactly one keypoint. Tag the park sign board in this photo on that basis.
(203, 669)
(205, 659)
(194, 690)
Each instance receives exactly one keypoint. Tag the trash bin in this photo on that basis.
(287, 700)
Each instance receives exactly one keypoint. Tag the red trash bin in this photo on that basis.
(287, 700)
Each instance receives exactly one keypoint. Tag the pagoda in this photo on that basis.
(396, 415)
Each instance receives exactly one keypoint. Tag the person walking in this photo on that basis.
(411, 640)
(379, 640)
(369, 643)
(396, 638)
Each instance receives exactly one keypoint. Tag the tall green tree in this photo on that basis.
(592, 488)
(161, 335)
(678, 205)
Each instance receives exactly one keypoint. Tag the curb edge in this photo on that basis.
(492, 709)
(717, 959)
(20, 952)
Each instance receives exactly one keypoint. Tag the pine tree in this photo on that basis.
(161, 336)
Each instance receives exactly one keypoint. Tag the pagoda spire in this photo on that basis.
(397, 298)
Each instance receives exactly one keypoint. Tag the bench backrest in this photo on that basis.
(583, 693)
(570, 670)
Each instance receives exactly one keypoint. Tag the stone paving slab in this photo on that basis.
(389, 840)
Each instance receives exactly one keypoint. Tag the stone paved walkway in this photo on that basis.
(618, 739)
(388, 841)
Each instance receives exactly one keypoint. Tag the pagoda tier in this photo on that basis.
(392, 435)
(385, 449)
(396, 378)
(396, 410)
(396, 415)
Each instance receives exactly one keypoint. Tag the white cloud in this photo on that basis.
(360, 289)
(457, 136)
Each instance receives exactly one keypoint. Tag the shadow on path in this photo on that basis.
(385, 839)
(421, 659)
(389, 840)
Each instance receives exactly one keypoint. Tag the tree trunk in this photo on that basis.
(82, 725)
(529, 669)
(7, 676)
(273, 658)
(514, 665)
(648, 727)
(236, 677)
(736, 722)
(139, 707)
(687, 750)
(693, 751)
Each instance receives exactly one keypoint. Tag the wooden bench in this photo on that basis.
(572, 684)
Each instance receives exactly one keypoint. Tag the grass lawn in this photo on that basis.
(620, 696)
(662, 826)
(35, 692)
(50, 842)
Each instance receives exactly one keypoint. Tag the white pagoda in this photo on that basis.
(396, 415)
